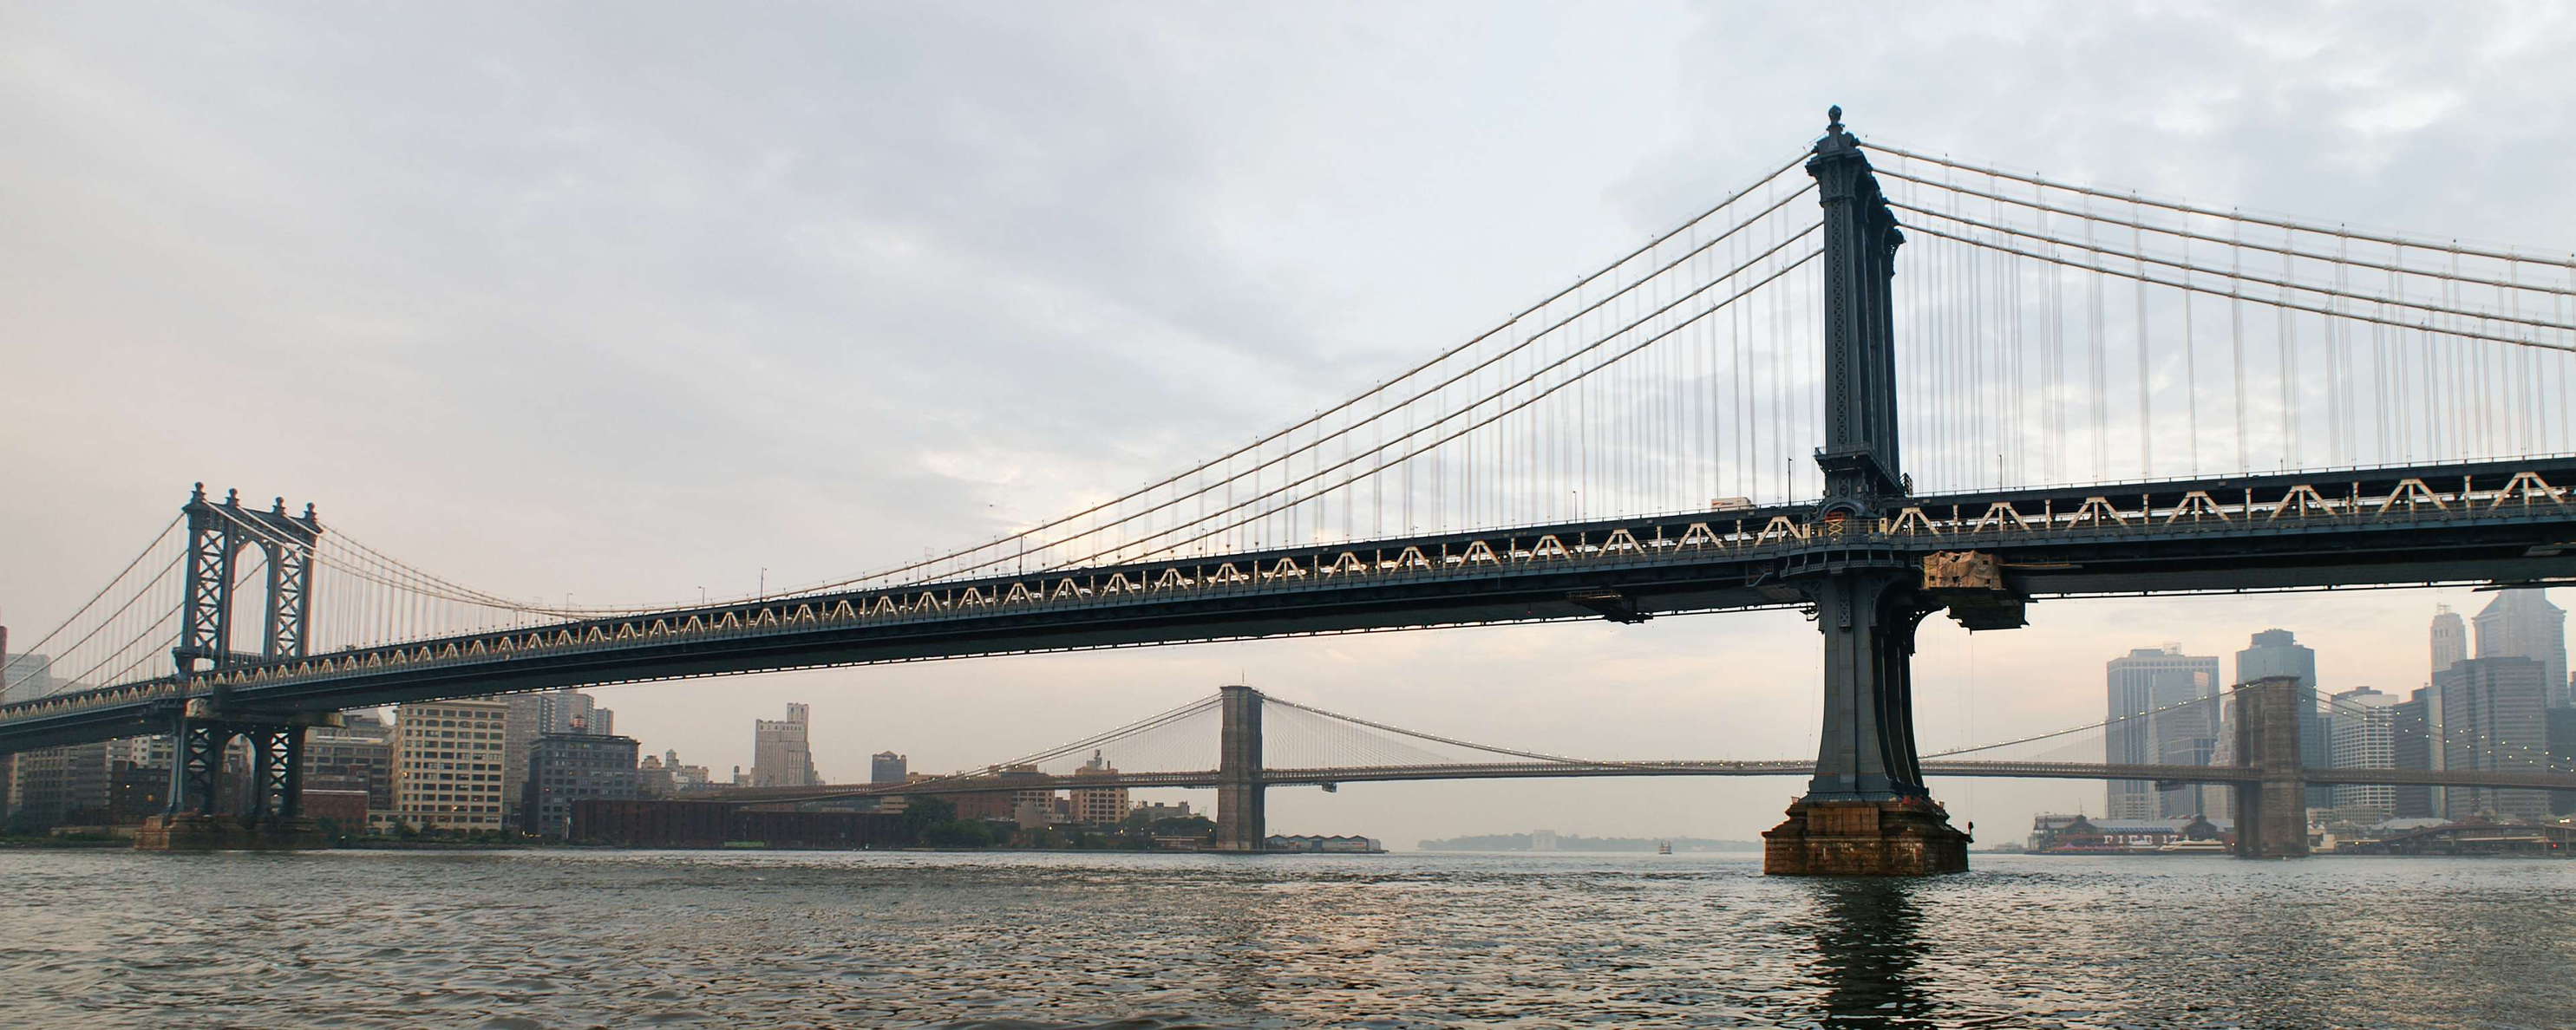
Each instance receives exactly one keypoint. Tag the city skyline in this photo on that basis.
(598, 305)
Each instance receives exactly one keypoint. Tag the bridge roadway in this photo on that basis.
(2490, 522)
(988, 784)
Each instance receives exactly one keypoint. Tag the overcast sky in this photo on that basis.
(624, 300)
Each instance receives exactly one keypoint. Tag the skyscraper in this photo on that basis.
(2488, 717)
(2410, 734)
(25, 677)
(2165, 708)
(2276, 652)
(2450, 637)
(2523, 624)
(2363, 725)
(781, 755)
(888, 767)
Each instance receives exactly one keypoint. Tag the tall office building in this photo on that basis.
(1098, 806)
(2362, 724)
(2450, 637)
(888, 767)
(447, 764)
(2523, 624)
(2410, 745)
(2487, 717)
(781, 752)
(2276, 652)
(2562, 757)
(25, 677)
(2181, 694)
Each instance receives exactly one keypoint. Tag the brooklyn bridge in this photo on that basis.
(2096, 393)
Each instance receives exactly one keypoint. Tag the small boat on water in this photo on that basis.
(2193, 847)
(1663, 847)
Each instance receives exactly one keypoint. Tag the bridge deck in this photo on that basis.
(1562, 770)
(2489, 522)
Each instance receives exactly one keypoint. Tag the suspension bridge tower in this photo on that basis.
(204, 728)
(1866, 811)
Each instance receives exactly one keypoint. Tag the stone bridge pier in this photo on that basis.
(2272, 810)
(1241, 824)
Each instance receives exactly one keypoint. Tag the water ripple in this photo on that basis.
(542, 939)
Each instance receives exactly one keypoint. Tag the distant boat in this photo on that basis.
(2193, 847)
(1663, 847)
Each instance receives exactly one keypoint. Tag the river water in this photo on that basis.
(579, 938)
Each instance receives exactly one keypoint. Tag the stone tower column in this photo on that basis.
(1241, 824)
(2271, 812)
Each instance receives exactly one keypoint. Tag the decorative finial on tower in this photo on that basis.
(308, 511)
(233, 497)
(200, 493)
(278, 508)
(1836, 139)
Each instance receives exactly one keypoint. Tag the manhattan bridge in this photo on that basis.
(1869, 383)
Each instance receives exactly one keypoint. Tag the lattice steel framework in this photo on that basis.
(217, 533)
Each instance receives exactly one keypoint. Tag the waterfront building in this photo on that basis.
(2277, 652)
(2487, 716)
(2166, 709)
(888, 767)
(1097, 806)
(1154, 811)
(1008, 803)
(61, 786)
(356, 755)
(535, 715)
(448, 765)
(2362, 726)
(564, 768)
(781, 751)
(2523, 624)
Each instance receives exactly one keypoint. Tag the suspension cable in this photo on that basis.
(2135, 198)
(2282, 302)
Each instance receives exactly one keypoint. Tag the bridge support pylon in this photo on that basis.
(269, 815)
(1242, 825)
(2272, 811)
(1866, 812)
